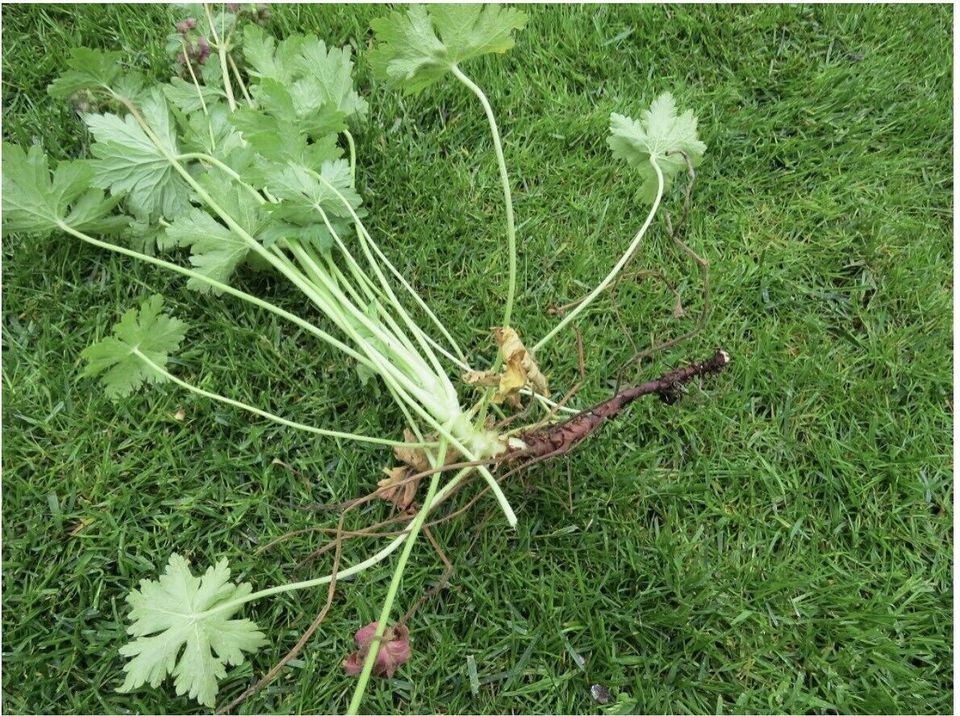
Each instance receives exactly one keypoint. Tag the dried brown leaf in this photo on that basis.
(393, 489)
(415, 457)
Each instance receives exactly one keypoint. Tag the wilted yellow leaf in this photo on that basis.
(519, 370)
(518, 358)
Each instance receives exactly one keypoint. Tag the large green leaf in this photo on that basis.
(410, 52)
(36, 202)
(137, 165)
(177, 635)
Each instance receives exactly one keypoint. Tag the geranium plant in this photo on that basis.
(246, 157)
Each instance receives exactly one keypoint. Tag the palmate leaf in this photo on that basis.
(660, 135)
(129, 164)
(317, 77)
(417, 48)
(89, 70)
(175, 635)
(155, 335)
(36, 202)
(216, 250)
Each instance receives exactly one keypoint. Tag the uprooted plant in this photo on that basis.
(246, 157)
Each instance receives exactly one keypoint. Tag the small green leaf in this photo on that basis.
(317, 79)
(326, 79)
(410, 52)
(35, 202)
(130, 164)
(303, 193)
(216, 250)
(659, 136)
(89, 69)
(260, 49)
(177, 635)
(274, 138)
(186, 95)
(148, 331)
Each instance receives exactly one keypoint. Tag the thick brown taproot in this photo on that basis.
(562, 437)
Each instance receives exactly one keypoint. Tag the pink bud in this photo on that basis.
(394, 650)
(184, 26)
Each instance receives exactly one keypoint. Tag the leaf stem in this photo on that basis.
(222, 53)
(236, 73)
(196, 85)
(398, 571)
(507, 197)
(270, 416)
(617, 267)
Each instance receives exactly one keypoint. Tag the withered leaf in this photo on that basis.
(512, 348)
(519, 370)
(393, 489)
(415, 457)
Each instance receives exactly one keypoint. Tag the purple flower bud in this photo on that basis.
(203, 49)
(233, 6)
(184, 26)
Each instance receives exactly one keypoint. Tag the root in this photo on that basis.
(541, 445)
(563, 437)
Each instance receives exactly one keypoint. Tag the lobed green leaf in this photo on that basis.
(659, 136)
(177, 636)
(89, 70)
(410, 52)
(36, 203)
(133, 165)
(120, 369)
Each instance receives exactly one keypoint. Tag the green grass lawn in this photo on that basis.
(780, 540)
